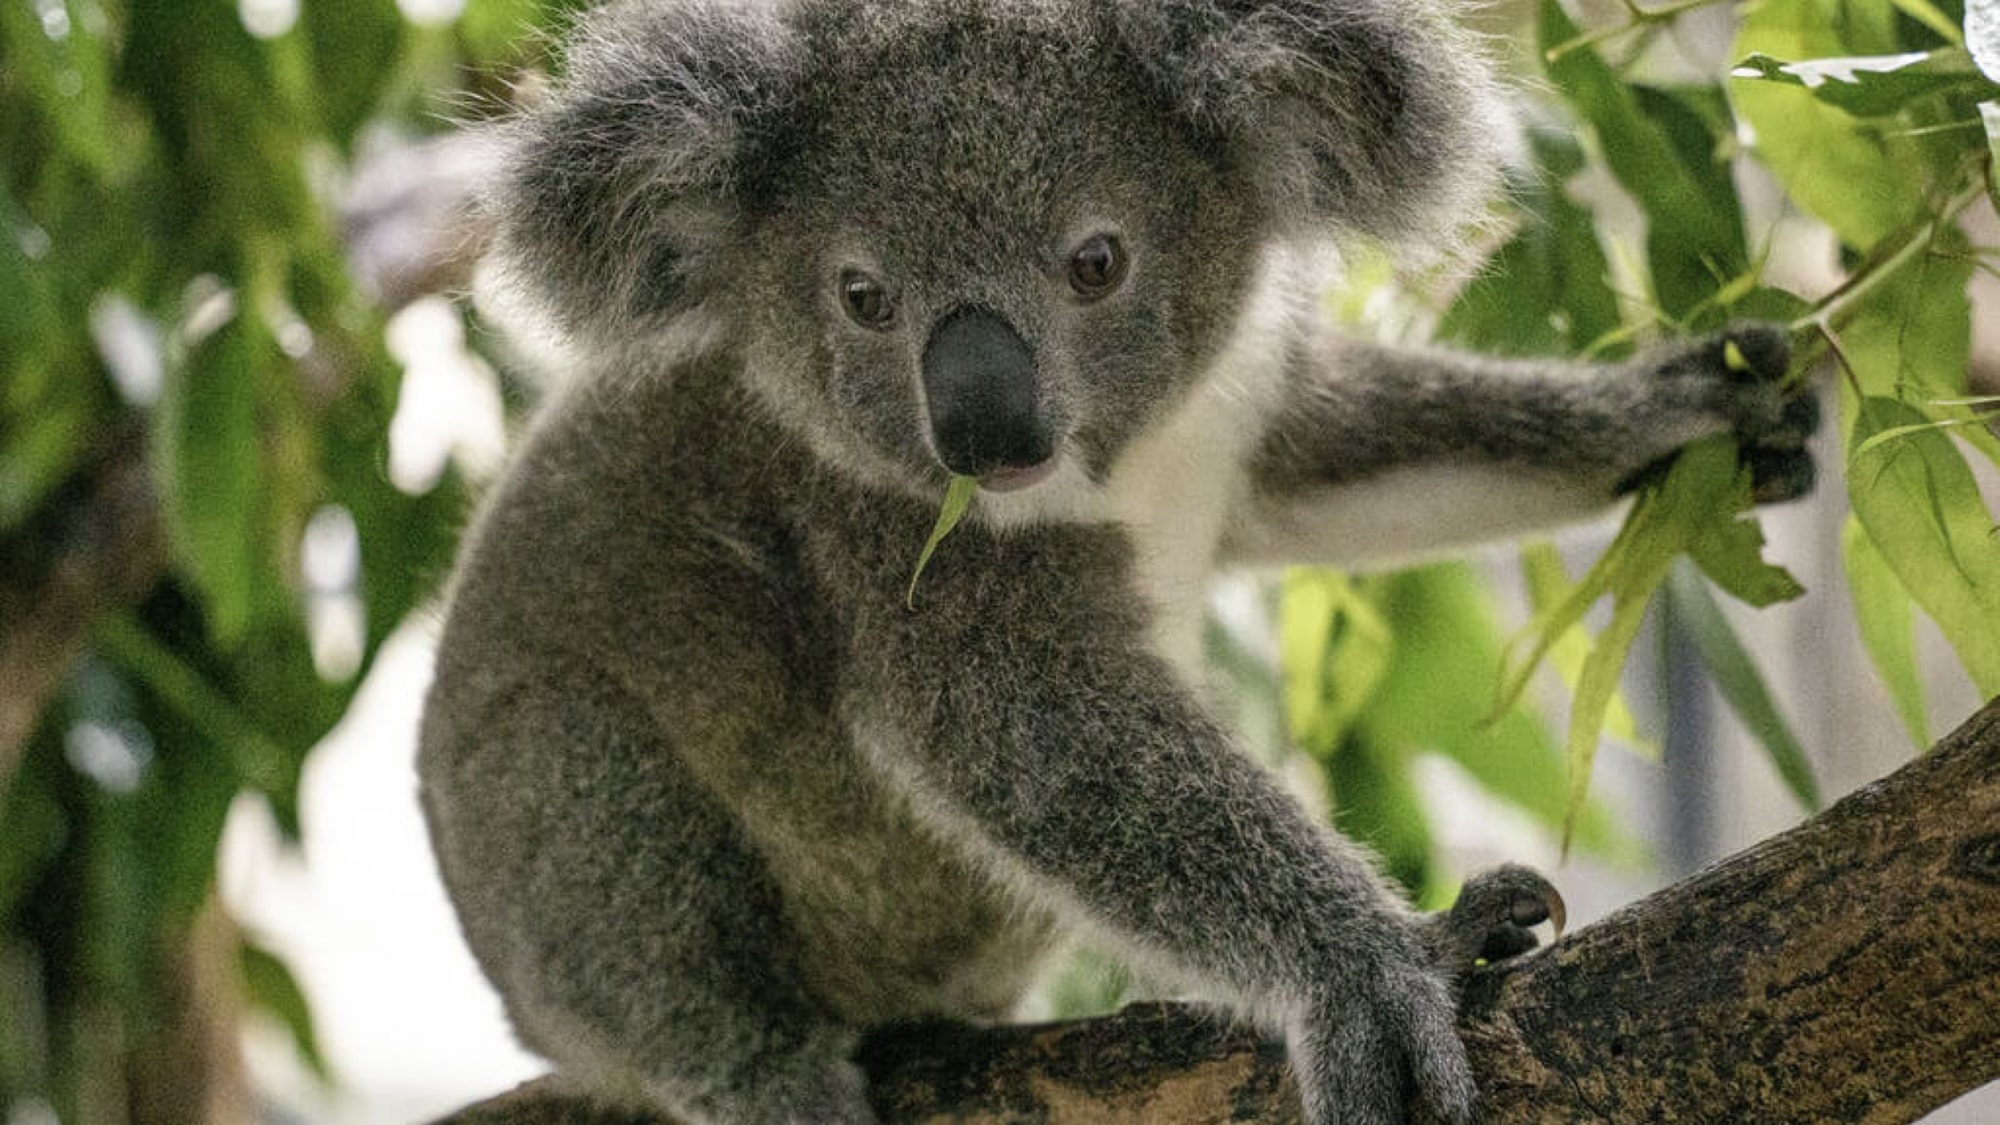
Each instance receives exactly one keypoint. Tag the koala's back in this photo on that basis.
(637, 579)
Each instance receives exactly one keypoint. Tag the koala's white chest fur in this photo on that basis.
(1178, 485)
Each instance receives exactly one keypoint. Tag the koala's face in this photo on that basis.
(996, 250)
(976, 236)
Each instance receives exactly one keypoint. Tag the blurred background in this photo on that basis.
(247, 400)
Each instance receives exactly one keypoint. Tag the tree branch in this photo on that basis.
(1845, 971)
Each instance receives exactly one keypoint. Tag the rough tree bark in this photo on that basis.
(1845, 971)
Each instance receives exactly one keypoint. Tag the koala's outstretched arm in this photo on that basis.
(1026, 718)
(1382, 454)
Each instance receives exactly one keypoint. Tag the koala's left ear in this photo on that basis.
(615, 202)
(1374, 115)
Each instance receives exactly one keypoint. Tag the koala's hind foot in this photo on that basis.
(1492, 919)
(1740, 375)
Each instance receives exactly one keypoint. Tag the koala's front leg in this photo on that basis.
(1022, 712)
(1383, 453)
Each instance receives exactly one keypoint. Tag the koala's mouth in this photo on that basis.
(1016, 479)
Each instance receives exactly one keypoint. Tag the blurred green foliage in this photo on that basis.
(171, 175)
(167, 174)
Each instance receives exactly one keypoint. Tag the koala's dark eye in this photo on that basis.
(1097, 266)
(866, 300)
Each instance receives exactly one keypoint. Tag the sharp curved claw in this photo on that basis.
(1493, 914)
(1555, 909)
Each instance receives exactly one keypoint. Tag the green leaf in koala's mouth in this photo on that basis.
(957, 499)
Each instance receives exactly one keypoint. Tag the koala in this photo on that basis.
(710, 795)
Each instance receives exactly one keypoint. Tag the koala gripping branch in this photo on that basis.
(1845, 971)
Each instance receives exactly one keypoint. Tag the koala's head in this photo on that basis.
(975, 235)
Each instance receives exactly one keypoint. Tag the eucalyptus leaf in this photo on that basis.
(205, 449)
(1862, 181)
(1932, 17)
(1741, 684)
(1882, 612)
(957, 498)
(1447, 642)
(1874, 85)
(1595, 687)
(355, 47)
(1335, 647)
(1922, 509)
(1662, 151)
(1693, 510)
(1548, 583)
(1548, 290)
(1912, 339)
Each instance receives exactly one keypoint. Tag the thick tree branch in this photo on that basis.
(1845, 971)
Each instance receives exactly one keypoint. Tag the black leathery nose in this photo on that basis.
(985, 401)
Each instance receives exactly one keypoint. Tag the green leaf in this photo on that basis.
(1873, 85)
(1730, 550)
(1862, 181)
(1693, 510)
(1882, 611)
(1448, 641)
(257, 759)
(1548, 290)
(1666, 155)
(1911, 339)
(38, 452)
(1922, 510)
(1742, 685)
(205, 449)
(354, 51)
(957, 498)
(1375, 800)
(27, 315)
(269, 984)
(1696, 270)
(67, 79)
(1595, 688)
(1548, 584)
(1334, 649)
(1927, 13)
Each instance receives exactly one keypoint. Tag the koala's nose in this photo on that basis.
(985, 401)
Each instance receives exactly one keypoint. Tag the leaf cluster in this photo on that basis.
(1878, 121)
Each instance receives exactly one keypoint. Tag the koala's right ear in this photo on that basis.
(616, 197)
(1373, 115)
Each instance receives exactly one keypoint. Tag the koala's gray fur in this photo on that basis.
(709, 797)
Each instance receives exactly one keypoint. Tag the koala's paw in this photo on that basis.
(1738, 375)
(1492, 919)
(1375, 1053)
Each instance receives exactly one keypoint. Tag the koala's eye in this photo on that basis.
(866, 300)
(1097, 266)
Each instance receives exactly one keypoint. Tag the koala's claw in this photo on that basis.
(1754, 352)
(1492, 918)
